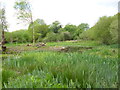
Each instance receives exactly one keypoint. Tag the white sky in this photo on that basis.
(65, 11)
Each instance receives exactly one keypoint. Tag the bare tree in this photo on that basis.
(3, 25)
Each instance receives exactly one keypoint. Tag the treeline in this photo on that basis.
(105, 31)
(46, 33)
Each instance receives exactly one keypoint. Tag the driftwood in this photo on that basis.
(4, 48)
(37, 45)
(28, 45)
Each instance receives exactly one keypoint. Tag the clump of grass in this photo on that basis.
(36, 79)
(6, 74)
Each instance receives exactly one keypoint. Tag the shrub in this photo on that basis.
(50, 37)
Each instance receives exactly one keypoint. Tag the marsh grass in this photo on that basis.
(74, 43)
(76, 69)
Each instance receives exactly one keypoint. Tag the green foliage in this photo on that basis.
(19, 36)
(40, 29)
(3, 23)
(114, 29)
(51, 36)
(74, 43)
(102, 30)
(23, 11)
(88, 35)
(83, 26)
(64, 36)
(55, 26)
(80, 28)
(39, 21)
(8, 37)
(6, 74)
(71, 28)
(105, 30)
(36, 79)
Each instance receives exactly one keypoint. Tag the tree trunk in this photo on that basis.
(33, 37)
(33, 30)
(3, 41)
(33, 34)
(3, 38)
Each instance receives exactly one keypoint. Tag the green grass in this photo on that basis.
(74, 43)
(64, 43)
(94, 68)
(16, 44)
(87, 70)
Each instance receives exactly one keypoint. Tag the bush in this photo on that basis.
(51, 36)
(114, 31)
(20, 36)
(64, 36)
(105, 31)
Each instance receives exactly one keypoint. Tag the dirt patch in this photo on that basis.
(19, 49)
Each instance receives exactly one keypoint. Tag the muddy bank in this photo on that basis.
(20, 49)
(75, 49)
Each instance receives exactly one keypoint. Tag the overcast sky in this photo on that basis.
(65, 11)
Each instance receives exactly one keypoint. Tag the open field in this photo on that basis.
(81, 64)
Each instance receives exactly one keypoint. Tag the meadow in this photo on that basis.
(51, 67)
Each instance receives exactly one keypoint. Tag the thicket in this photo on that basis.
(105, 30)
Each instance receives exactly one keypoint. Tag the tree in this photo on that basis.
(55, 26)
(40, 29)
(102, 31)
(88, 34)
(72, 29)
(3, 25)
(39, 21)
(64, 36)
(24, 13)
(51, 36)
(80, 28)
(114, 30)
(105, 30)
(83, 26)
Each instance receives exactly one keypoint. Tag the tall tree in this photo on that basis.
(40, 22)
(102, 31)
(83, 26)
(71, 28)
(40, 29)
(3, 25)
(80, 28)
(55, 26)
(24, 13)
